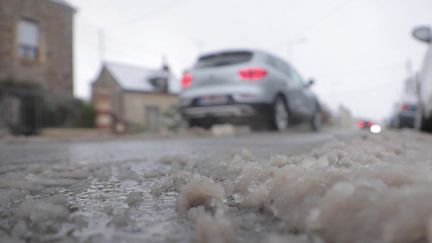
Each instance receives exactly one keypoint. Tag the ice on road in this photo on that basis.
(279, 188)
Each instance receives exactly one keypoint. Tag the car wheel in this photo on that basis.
(279, 114)
(316, 122)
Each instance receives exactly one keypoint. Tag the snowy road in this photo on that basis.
(226, 189)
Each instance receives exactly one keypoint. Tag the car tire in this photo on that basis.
(316, 121)
(279, 115)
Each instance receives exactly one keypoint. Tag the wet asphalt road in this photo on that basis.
(262, 145)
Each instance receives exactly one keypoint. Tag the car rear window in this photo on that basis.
(223, 59)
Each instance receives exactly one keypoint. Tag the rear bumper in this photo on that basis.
(237, 93)
(219, 111)
(231, 111)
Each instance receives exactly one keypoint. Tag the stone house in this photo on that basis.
(131, 95)
(36, 43)
(36, 49)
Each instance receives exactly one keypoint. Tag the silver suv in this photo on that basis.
(247, 87)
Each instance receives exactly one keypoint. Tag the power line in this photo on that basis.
(155, 12)
(103, 46)
(359, 92)
(328, 14)
(103, 38)
(368, 70)
(128, 43)
(110, 39)
(320, 20)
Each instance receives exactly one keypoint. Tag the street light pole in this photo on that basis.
(101, 38)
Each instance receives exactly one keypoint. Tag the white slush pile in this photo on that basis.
(377, 188)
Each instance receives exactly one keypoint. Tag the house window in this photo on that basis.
(160, 83)
(28, 40)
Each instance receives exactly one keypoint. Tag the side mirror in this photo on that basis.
(423, 33)
(310, 83)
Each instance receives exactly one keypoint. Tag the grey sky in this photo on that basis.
(356, 50)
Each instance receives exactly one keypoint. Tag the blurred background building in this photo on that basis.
(36, 59)
(137, 96)
(36, 43)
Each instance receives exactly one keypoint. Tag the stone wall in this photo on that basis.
(53, 69)
(138, 104)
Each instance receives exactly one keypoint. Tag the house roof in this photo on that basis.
(135, 78)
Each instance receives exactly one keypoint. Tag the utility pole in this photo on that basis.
(101, 36)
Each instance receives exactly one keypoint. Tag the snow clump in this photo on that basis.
(200, 191)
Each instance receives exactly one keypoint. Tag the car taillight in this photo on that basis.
(186, 80)
(253, 73)
(405, 107)
(361, 124)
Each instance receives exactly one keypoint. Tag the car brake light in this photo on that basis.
(254, 73)
(361, 124)
(405, 107)
(186, 80)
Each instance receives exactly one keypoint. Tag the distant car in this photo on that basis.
(369, 125)
(365, 124)
(405, 110)
(423, 119)
(404, 115)
(247, 87)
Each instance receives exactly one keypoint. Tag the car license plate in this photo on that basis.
(212, 100)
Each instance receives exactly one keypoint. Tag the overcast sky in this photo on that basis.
(356, 50)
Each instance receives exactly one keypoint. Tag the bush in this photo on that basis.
(64, 112)
(38, 108)
(28, 97)
(172, 119)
